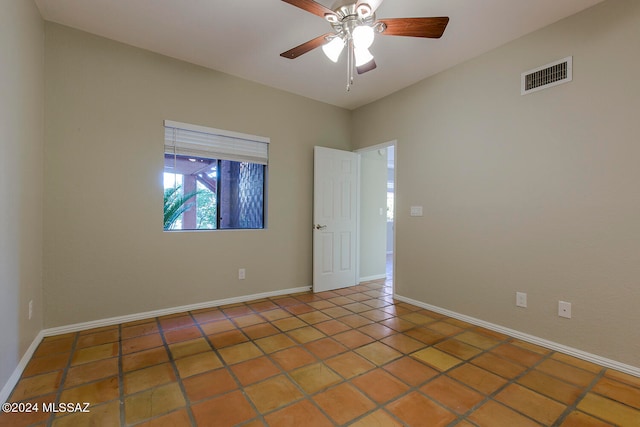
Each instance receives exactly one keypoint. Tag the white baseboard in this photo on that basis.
(76, 327)
(589, 357)
(374, 277)
(166, 311)
(17, 372)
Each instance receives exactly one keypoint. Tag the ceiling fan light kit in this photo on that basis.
(355, 26)
(334, 48)
(363, 36)
(363, 56)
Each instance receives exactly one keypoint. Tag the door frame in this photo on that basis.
(393, 143)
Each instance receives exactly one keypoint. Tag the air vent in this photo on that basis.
(547, 76)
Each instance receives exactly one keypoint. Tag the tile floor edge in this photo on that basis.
(580, 354)
(370, 278)
(76, 327)
(22, 364)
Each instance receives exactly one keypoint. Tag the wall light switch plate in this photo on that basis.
(416, 211)
(521, 299)
(241, 274)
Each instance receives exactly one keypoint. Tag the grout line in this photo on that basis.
(63, 378)
(574, 406)
(174, 366)
(225, 365)
(378, 406)
(460, 417)
(411, 389)
(305, 396)
(347, 350)
(510, 381)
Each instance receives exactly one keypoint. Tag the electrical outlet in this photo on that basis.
(564, 309)
(241, 273)
(30, 309)
(521, 299)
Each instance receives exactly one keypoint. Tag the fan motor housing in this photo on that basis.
(348, 17)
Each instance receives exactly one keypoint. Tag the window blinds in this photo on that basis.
(184, 139)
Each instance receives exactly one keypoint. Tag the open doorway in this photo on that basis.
(391, 194)
(377, 200)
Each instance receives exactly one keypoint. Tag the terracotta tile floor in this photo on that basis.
(347, 357)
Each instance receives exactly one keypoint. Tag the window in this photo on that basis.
(213, 179)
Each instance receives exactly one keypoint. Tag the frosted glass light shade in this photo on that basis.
(363, 37)
(333, 49)
(363, 56)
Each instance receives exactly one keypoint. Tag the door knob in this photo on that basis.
(319, 227)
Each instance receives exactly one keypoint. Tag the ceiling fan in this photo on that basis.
(355, 26)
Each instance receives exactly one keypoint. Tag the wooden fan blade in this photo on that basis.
(374, 4)
(311, 7)
(371, 65)
(306, 47)
(432, 28)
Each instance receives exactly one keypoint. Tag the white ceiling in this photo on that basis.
(245, 38)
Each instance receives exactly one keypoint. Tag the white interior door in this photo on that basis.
(335, 218)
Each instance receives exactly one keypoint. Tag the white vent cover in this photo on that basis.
(553, 74)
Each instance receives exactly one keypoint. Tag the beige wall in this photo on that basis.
(105, 252)
(373, 225)
(536, 193)
(22, 123)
